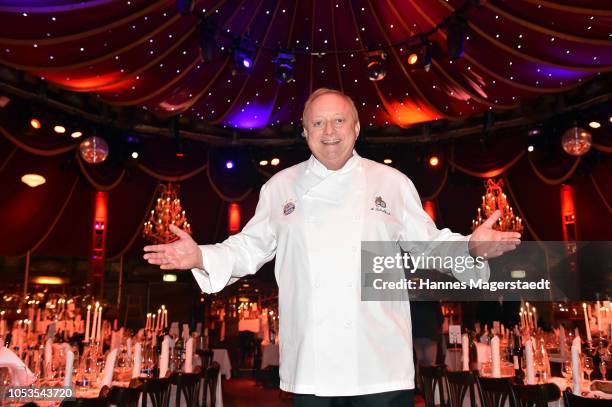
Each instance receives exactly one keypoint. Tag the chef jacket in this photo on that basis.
(314, 220)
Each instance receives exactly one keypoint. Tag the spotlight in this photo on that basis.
(377, 69)
(206, 37)
(275, 161)
(455, 36)
(59, 129)
(594, 125)
(33, 180)
(530, 148)
(135, 154)
(229, 164)
(421, 57)
(243, 57)
(283, 67)
(388, 161)
(76, 134)
(263, 163)
(35, 123)
(533, 132)
(434, 161)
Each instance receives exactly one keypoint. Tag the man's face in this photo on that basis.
(331, 130)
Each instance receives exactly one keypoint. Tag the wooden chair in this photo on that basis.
(210, 383)
(571, 400)
(124, 396)
(206, 355)
(460, 385)
(187, 387)
(155, 390)
(84, 402)
(495, 392)
(535, 395)
(432, 376)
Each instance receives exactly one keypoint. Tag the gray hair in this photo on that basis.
(326, 91)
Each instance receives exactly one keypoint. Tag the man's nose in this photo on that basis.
(329, 128)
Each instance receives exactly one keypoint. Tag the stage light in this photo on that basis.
(434, 161)
(33, 180)
(388, 161)
(275, 161)
(455, 36)
(76, 134)
(376, 63)
(420, 58)
(263, 163)
(243, 58)
(533, 132)
(135, 155)
(59, 129)
(594, 125)
(229, 164)
(284, 63)
(530, 148)
(48, 280)
(35, 123)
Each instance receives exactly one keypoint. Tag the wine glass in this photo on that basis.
(603, 368)
(589, 366)
(566, 370)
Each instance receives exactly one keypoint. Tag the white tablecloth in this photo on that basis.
(222, 358)
(269, 355)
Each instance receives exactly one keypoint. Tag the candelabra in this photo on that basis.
(494, 199)
(167, 211)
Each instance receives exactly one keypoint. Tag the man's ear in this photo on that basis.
(357, 128)
(304, 133)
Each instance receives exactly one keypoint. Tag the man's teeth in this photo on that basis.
(333, 141)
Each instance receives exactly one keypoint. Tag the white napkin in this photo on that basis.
(48, 355)
(22, 376)
(129, 348)
(185, 334)
(495, 357)
(465, 352)
(562, 341)
(164, 357)
(137, 360)
(189, 356)
(530, 372)
(113, 343)
(576, 374)
(69, 364)
(109, 367)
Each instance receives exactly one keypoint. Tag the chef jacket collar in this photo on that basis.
(320, 170)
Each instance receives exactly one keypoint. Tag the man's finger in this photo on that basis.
(492, 219)
(155, 248)
(179, 232)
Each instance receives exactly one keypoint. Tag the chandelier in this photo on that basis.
(494, 199)
(167, 211)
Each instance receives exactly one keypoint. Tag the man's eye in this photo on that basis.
(317, 123)
(339, 121)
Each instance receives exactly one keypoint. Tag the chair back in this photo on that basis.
(495, 392)
(155, 390)
(206, 355)
(124, 396)
(460, 385)
(432, 378)
(535, 395)
(187, 387)
(210, 383)
(572, 400)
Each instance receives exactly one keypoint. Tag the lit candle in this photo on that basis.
(586, 322)
(98, 331)
(153, 322)
(95, 322)
(87, 320)
(159, 318)
(148, 321)
(529, 316)
(2, 323)
(598, 313)
(535, 318)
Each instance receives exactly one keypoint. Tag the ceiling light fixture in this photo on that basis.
(284, 63)
(59, 129)
(33, 180)
(376, 63)
(594, 125)
(35, 123)
(275, 161)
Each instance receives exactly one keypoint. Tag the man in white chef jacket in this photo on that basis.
(313, 217)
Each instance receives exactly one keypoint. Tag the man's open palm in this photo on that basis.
(488, 242)
(181, 254)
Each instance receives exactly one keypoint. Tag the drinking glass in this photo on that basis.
(566, 370)
(603, 368)
(588, 366)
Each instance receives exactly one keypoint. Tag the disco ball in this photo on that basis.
(576, 141)
(94, 149)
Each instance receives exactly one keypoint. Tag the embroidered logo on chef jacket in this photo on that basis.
(288, 208)
(380, 205)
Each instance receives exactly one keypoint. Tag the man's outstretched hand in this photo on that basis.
(488, 243)
(181, 254)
